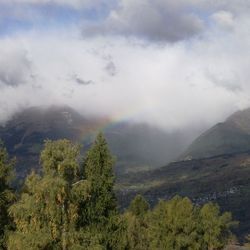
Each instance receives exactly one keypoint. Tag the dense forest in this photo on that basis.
(71, 204)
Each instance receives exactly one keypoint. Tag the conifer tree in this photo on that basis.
(99, 172)
(100, 211)
(6, 194)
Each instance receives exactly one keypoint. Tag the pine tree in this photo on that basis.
(99, 172)
(100, 211)
(6, 194)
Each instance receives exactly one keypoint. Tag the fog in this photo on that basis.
(186, 67)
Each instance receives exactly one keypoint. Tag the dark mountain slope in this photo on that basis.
(136, 146)
(223, 179)
(231, 136)
(216, 167)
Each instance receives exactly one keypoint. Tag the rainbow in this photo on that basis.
(88, 133)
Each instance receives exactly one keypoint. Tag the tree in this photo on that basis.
(66, 207)
(99, 210)
(137, 237)
(139, 206)
(173, 225)
(46, 214)
(61, 158)
(98, 168)
(6, 193)
(215, 227)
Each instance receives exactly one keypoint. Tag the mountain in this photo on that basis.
(231, 136)
(136, 146)
(220, 173)
(215, 167)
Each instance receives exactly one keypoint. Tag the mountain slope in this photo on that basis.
(231, 136)
(136, 146)
(223, 179)
(215, 167)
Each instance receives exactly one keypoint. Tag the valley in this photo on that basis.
(224, 179)
(215, 167)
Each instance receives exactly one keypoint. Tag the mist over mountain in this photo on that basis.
(136, 146)
(215, 167)
(231, 136)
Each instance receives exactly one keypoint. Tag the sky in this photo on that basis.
(169, 63)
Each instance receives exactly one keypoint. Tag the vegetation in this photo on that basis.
(72, 205)
(6, 194)
(223, 179)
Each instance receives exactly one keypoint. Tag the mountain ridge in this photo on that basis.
(137, 146)
(230, 136)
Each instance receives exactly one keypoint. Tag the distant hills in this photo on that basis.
(231, 136)
(215, 167)
(136, 146)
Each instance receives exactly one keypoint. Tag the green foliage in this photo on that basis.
(98, 167)
(215, 227)
(173, 225)
(100, 210)
(139, 206)
(62, 210)
(178, 224)
(46, 213)
(136, 235)
(61, 158)
(6, 194)
(129, 230)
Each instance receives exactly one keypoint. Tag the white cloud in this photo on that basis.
(172, 85)
(224, 18)
(71, 3)
(15, 67)
(197, 81)
(238, 7)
